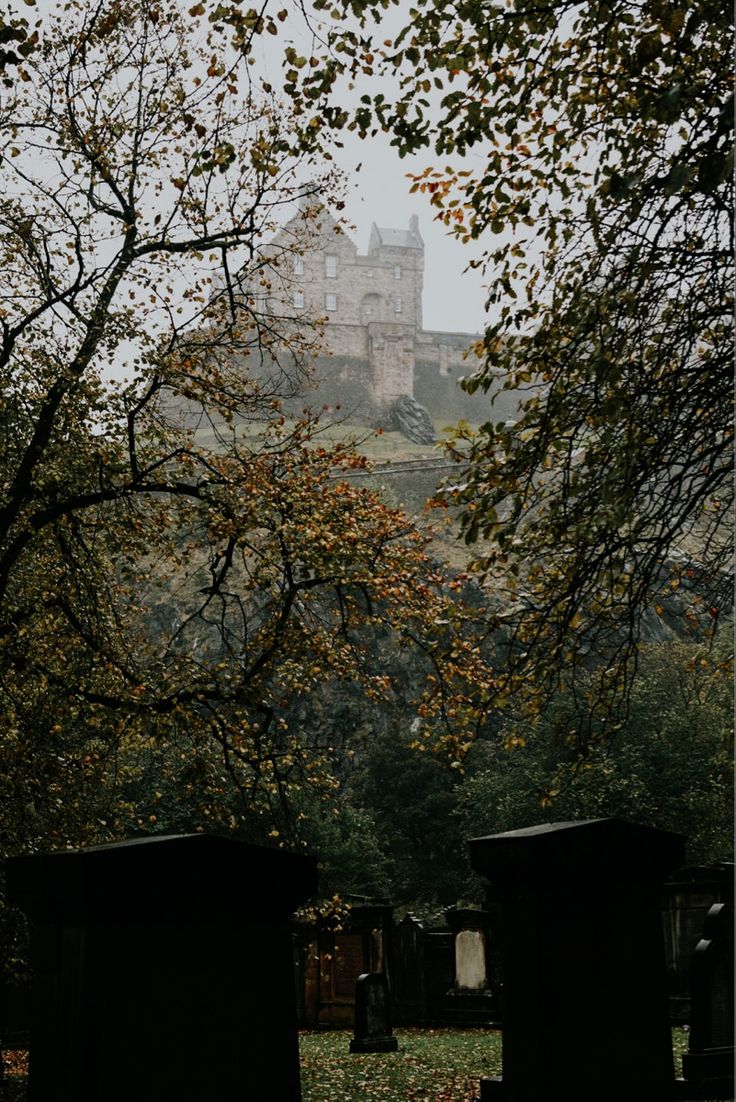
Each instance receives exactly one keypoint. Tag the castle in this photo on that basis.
(379, 350)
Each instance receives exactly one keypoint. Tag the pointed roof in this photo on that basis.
(403, 239)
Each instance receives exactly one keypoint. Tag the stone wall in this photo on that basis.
(373, 309)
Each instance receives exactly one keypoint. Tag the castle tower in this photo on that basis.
(376, 348)
(397, 259)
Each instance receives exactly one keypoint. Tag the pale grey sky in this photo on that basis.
(380, 192)
(454, 300)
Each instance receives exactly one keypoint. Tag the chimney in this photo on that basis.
(310, 196)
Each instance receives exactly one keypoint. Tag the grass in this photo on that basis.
(432, 1065)
(380, 447)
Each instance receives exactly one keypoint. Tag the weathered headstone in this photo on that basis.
(439, 965)
(372, 1015)
(708, 1065)
(162, 970)
(470, 1000)
(585, 999)
(408, 986)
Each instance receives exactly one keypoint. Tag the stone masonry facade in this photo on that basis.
(373, 309)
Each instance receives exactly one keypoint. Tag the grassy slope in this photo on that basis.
(381, 448)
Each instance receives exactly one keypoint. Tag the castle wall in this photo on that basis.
(348, 340)
(448, 353)
(317, 262)
(372, 304)
(391, 358)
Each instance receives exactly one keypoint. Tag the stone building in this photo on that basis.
(379, 349)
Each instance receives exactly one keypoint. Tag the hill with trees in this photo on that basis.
(212, 629)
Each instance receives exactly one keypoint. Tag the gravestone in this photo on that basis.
(708, 1065)
(336, 959)
(585, 998)
(686, 899)
(162, 969)
(408, 987)
(372, 1015)
(439, 966)
(470, 1000)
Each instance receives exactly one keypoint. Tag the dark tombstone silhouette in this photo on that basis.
(687, 897)
(585, 998)
(708, 1064)
(162, 970)
(372, 1015)
(408, 981)
(439, 967)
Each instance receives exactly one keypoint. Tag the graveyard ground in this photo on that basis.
(432, 1065)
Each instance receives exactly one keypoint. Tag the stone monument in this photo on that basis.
(585, 998)
(709, 1062)
(162, 969)
(373, 1015)
(470, 1000)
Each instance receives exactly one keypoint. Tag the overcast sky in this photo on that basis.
(380, 193)
(453, 300)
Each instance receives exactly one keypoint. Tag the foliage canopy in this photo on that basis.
(593, 148)
(178, 562)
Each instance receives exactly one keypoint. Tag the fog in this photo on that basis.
(454, 299)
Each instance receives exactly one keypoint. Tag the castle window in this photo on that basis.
(298, 300)
(397, 272)
(397, 304)
(298, 264)
(330, 301)
(330, 265)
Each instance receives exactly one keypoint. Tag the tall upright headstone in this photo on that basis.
(407, 971)
(372, 1031)
(585, 998)
(162, 969)
(687, 897)
(470, 1000)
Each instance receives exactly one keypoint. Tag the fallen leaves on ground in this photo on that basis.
(432, 1065)
(15, 1061)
